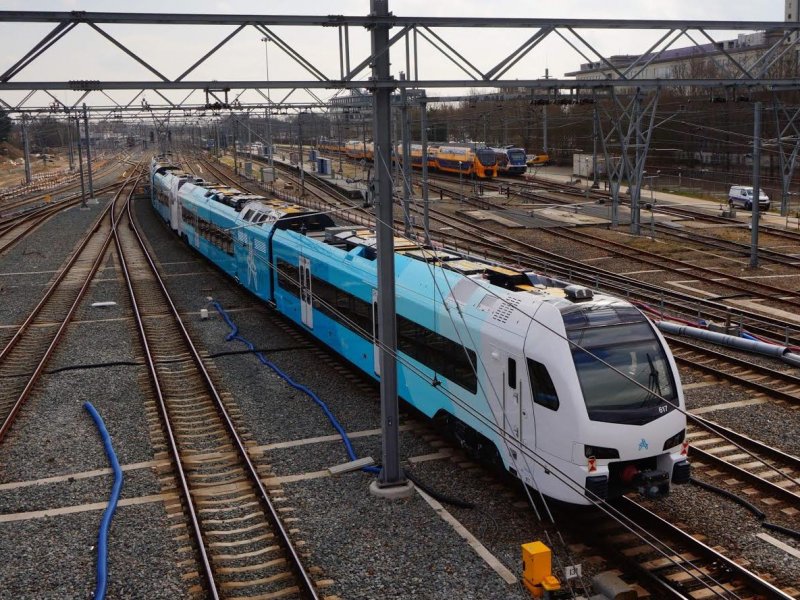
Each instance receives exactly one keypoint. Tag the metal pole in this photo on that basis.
(80, 160)
(756, 184)
(249, 136)
(88, 150)
(235, 156)
(634, 178)
(269, 143)
(595, 129)
(26, 149)
(391, 474)
(425, 199)
(70, 152)
(544, 128)
(406, 159)
(302, 164)
(339, 135)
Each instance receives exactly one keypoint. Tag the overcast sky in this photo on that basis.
(84, 54)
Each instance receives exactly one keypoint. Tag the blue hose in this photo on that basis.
(102, 536)
(747, 336)
(234, 335)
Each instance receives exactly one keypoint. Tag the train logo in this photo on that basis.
(643, 445)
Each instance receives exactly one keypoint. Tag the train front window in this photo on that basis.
(517, 157)
(486, 157)
(623, 372)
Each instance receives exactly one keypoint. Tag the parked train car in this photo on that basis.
(511, 161)
(575, 393)
(478, 162)
(326, 145)
(359, 150)
(415, 152)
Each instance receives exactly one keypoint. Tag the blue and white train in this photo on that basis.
(511, 161)
(575, 393)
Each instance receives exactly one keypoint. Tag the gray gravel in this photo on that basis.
(26, 268)
(54, 436)
(54, 558)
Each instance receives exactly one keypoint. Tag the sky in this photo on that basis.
(84, 54)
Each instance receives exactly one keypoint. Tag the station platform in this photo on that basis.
(352, 188)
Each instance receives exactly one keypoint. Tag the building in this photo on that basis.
(704, 60)
(699, 61)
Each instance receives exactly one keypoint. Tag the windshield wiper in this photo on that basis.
(653, 383)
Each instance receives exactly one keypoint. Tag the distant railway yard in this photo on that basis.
(226, 409)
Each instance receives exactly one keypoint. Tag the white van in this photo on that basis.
(742, 195)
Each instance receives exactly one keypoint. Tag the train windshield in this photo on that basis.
(517, 156)
(622, 367)
(486, 156)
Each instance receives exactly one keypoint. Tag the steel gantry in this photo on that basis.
(411, 36)
(365, 46)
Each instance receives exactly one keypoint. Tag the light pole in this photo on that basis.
(460, 182)
(302, 164)
(339, 134)
(268, 109)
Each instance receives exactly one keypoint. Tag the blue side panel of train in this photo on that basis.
(357, 276)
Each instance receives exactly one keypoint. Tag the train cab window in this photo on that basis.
(512, 373)
(544, 392)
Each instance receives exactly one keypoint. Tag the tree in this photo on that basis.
(5, 126)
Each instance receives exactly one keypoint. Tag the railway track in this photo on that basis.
(14, 228)
(25, 355)
(772, 476)
(763, 380)
(736, 285)
(676, 563)
(242, 547)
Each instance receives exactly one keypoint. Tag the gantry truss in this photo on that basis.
(414, 43)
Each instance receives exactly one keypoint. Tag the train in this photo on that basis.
(468, 160)
(572, 391)
(511, 161)
(328, 145)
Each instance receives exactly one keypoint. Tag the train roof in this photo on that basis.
(258, 209)
(508, 277)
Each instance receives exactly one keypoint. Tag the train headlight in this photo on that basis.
(599, 452)
(675, 440)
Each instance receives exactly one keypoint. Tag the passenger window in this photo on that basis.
(544, 392)
(512, 373)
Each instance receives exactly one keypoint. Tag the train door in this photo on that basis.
(306, 297)
(376, 351)
(508, 389)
